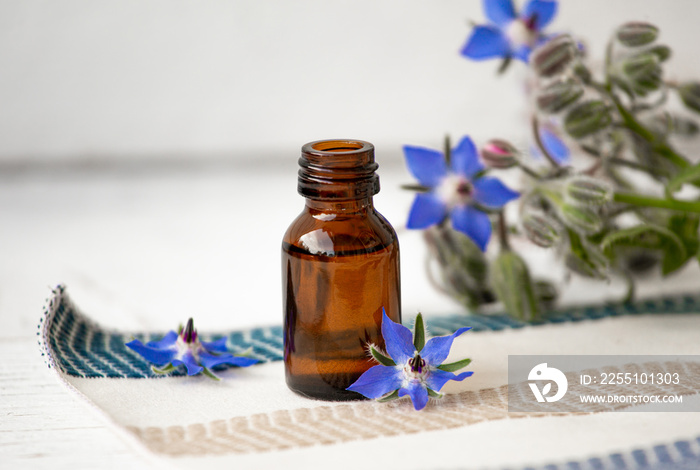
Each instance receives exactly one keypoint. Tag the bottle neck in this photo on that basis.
(337, 207)
(338, 171)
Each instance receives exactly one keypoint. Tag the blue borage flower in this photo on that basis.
(186, 349)
(510, 34)
(462, 193)
(412, 367)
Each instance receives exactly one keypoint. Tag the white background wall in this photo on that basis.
(85, 79)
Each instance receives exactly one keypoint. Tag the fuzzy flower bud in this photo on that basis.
(594, 268)
(541, 230)
(581, 219)
(587, 118)
(640, 64)
(678, 125)
(584, 190)
(690, 94)
(637, 33)
(554, 56)
(643, 72)
(498, 153)
(558, 95)
(583, 73)
(663, 53)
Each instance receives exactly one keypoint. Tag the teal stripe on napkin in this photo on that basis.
(80, 347)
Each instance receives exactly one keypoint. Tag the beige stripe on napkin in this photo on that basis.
(335, 424)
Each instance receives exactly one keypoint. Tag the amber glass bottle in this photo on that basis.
(340, 268)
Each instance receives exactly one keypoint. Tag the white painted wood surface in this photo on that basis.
(42, 426)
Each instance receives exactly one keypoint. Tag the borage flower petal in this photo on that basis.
(465, 158)
(218, 345)
(486, 42)
(540, 12)
(438, 378)
(190, 363)
(418, 393)
(500, 12)
(211, 360)
(152, 353)
(491, 192)
(426, 165)
(474, 223)
(378, 381)
(168, 340)
(554, 146)
(398, 340)
(427, 210)
(437, 349)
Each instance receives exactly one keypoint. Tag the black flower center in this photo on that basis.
(531, 22)
(464, 188)
(417, 364)
(189, 334)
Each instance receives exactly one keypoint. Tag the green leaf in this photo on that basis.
(391, 397)
(247, 353)
(448, 149)
(631, 289)
(433, 394)
(649, 237)
(453, 366)
(462, 266)
(689, 175)
(511, 281)
(686, 226)
(585, 259)
(504, 65)
(419, 333)
(164, 370)
(381, 358)
(546, 293)
(210, 374)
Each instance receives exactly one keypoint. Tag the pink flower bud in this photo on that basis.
(498, 153)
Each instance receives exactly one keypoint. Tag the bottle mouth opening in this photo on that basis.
(338, 169)
(337, 146)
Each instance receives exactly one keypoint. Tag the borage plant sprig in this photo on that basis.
(184, 348)
(411, 366)
(609, 201)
